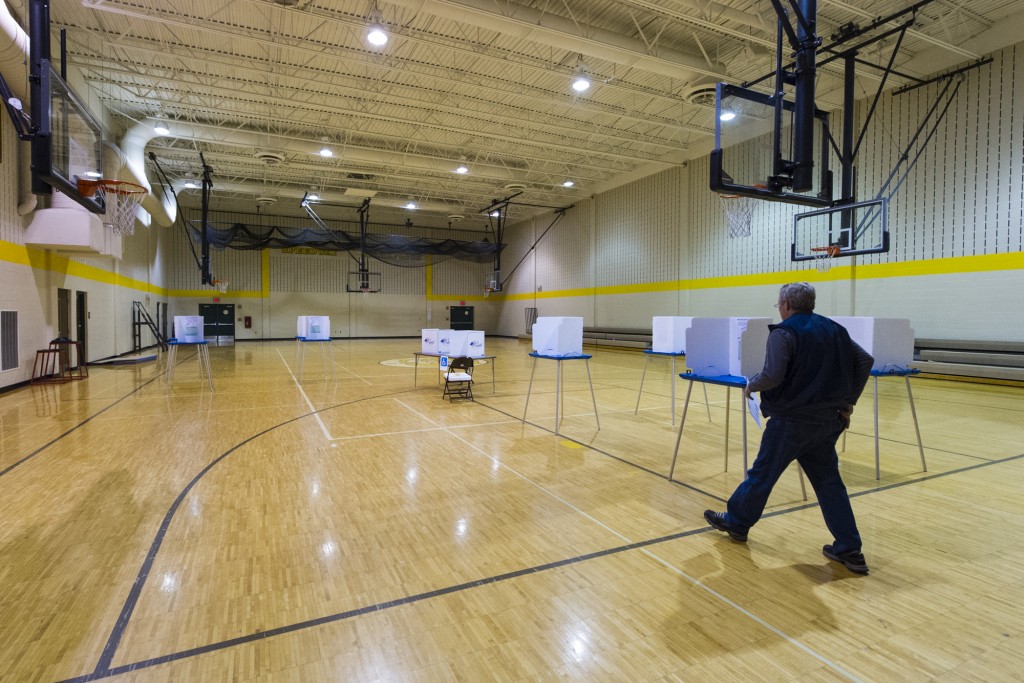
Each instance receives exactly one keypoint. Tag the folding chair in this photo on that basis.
(458, 380)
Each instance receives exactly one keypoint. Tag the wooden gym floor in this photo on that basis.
(363, 529)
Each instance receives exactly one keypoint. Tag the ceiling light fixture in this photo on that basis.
(411, 205)
(580, 80)
(161, 128)
(377, 35)
(727, 116)
(191, 184)
(326, 152)
(568, 183)
(312, 197)
(462, 168)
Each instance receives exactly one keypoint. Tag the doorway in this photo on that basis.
(461, 317)
(218, 322)
(82, 325)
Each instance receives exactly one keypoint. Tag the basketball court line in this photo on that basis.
(629, 542)
(368, 609)
(312, 408)
(103, 669)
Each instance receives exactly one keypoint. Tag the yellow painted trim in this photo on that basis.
(265, 273)
(44, 259)
(943, 266)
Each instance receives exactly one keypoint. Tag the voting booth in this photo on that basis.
(727, 346)
(468, 343)
(428, 340)
(889, 340)
(558, 336)
(669, 333)
(313, 327)
(188, 329)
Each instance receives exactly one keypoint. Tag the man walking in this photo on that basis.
(813, 374)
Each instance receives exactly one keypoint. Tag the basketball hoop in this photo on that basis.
(487, 291)
(823, 257)
(222, 285)
(738, 211)
(122, 200)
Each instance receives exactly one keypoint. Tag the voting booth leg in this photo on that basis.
(558, 393)
(878, 467)
(682, 423)
(593, 398)
(917, 430)
(727, 399)
(529, 389)
(170, 358)
(641, 392)
(204, 354)
(707, 404)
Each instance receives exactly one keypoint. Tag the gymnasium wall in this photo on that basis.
(31, 277)
(275, 286)
(659, 245)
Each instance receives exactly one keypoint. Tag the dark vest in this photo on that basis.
(821, 373)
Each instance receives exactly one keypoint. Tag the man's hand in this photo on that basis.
(844, 415)
(746, 391)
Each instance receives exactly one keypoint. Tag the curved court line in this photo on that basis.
(103, 669)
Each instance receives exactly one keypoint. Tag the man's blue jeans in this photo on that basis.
(813, 445)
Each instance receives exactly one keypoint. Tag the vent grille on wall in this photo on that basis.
(8, 340)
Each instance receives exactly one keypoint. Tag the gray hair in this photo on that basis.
(799, 296)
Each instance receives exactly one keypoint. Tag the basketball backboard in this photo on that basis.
(744, 161)
(363, 281)
(860, 228)
(69, 143)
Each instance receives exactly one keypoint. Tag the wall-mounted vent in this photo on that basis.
(8, 340)
(515, 187)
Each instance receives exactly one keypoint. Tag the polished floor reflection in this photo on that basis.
(352, 526)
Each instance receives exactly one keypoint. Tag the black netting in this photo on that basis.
(393, 249)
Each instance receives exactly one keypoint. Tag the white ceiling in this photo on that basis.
(488, 80)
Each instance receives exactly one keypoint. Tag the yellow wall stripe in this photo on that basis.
(44, 259)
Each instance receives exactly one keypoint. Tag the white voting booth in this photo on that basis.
(188, 329)
(452, 342)
(469, 343)
(313, 327)
(889, 340)
(669, 333)
(558, 336)
(727, 346)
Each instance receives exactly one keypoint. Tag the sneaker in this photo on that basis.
(852, 560)
(717, 520)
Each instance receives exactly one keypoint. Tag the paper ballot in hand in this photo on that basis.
(754, 406)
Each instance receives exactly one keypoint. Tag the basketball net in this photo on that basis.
(121, 199)
(487, 291)
(738, 211)
(823, 257)
(222, 285)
